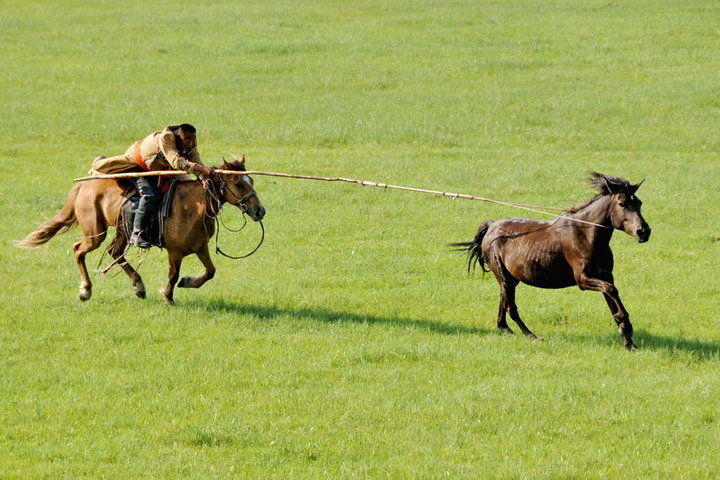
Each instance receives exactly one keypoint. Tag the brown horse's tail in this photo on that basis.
(58, 224)
(474, 248)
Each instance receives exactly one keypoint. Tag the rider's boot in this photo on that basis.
(140, 229)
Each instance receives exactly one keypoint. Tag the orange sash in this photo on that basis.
(138, 157)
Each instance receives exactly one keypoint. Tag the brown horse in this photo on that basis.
(96, 204)
(572, 250)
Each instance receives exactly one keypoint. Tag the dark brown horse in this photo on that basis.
(572, 250)
(96, 204)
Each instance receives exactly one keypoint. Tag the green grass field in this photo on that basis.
(354, 344)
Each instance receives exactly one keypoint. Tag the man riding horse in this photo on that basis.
(174, 148)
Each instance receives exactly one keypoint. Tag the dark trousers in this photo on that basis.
(149, 200)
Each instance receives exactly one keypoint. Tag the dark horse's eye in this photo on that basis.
(622, 204)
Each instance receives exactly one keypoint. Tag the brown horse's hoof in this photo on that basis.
(506, 331)
(185, 282)
(140, 292)
(84, 294)
(168, 300)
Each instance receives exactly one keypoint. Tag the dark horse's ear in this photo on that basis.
(634, 188)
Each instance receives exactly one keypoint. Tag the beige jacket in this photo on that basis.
(158, 151)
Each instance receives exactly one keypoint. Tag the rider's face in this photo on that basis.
(187, 140)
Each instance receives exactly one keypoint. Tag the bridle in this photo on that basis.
(241, 203)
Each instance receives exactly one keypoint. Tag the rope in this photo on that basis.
(365, 183)
(313, 177)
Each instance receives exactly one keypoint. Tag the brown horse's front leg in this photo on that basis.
(197, 282)
(175, 260)
(612, 298)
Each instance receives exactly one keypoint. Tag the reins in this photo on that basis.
(218, 250)
(241, 202)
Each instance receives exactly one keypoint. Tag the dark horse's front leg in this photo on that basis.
(612, 297)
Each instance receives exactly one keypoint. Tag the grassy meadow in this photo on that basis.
(354, 344)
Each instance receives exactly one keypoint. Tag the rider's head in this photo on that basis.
(186, 136)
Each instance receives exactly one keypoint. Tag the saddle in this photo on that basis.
(157, 222)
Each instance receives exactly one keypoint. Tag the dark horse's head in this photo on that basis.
(625, 207)
(238, 190)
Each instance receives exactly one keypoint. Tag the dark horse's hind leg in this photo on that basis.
(507, 298)
(508, 285)
(117, 251)
(501, 321)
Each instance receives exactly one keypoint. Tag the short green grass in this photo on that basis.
(353, 344)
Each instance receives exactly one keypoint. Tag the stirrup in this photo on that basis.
(137, 240)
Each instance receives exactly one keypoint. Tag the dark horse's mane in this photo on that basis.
(605, 185)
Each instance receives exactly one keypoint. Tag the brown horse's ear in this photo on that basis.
(238, 160)
(634, 188)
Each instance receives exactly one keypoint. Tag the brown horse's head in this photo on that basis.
(239, 190)
(625, 205)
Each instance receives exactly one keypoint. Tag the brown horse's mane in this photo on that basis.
(605, 185)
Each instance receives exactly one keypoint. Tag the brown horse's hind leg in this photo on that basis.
(175, 260)
(81, 249)
(197, 282)
(117, 251)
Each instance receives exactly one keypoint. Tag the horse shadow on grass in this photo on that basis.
(270, 312)
(671, 346)
(697, 349)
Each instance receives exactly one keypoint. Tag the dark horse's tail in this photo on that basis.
(58, 224)
(474, 248)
